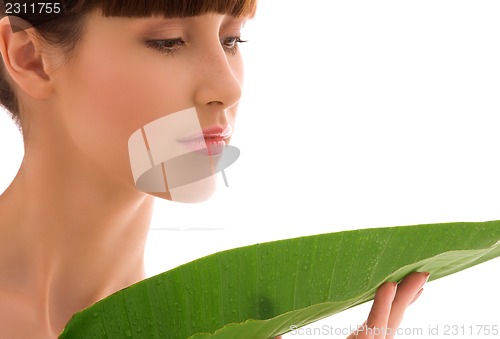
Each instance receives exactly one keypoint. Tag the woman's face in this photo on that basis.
(128, 72)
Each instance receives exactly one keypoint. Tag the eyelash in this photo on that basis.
(172, 46)
(234, 46)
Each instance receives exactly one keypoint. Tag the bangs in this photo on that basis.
(174, 8)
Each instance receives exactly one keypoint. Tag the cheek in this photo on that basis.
(105, 102)
(117, 100)
(238, 71)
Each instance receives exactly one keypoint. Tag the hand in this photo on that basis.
(391, 301)
(389, 306)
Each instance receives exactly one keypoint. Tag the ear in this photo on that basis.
(23, 58)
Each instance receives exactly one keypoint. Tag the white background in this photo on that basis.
(355, 114)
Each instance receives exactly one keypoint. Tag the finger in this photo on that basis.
(354, 335)
(416, 296)
(408, 291)
(379, 314)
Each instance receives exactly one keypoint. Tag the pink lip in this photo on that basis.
(211, 142)
(218, 131)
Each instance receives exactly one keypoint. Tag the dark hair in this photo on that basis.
(66, 29)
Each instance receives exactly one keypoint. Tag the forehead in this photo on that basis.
(98, 23)
(174, 8)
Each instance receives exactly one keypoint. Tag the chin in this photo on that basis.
(197, 191)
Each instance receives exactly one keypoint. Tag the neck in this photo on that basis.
(67, 239)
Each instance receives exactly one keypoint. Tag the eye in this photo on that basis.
(166, 46)
(230, 44)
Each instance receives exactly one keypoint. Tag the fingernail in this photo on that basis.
(395, 287)
(427, 276)
(417, 295)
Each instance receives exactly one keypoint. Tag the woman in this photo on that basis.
(81, 84)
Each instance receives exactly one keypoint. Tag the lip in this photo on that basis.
(211, 142)
(217, 132)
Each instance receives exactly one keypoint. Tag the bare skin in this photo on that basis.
(389, 306)
(73, 225)
(391, 301)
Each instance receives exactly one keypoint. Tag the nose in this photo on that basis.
(220, 77)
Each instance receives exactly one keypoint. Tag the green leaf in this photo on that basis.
(259, 291)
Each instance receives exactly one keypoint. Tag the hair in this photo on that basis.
(65, 30)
